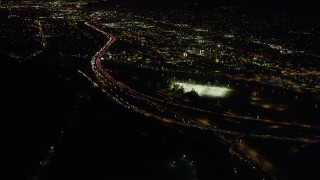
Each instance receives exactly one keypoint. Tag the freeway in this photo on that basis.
(229, 132)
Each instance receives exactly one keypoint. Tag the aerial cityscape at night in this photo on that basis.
(181, 89)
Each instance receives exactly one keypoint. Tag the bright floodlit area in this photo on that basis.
(204, 90)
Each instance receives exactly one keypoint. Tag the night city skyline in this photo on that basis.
(182, 89)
